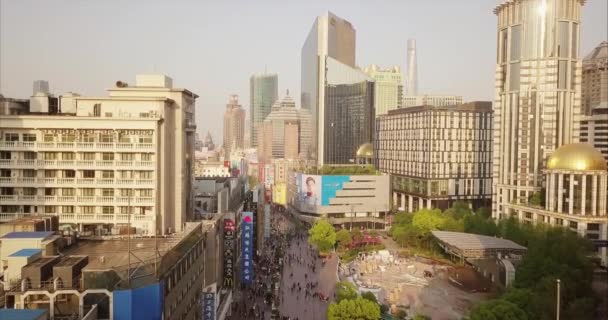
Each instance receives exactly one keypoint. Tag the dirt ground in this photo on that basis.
(469, 280)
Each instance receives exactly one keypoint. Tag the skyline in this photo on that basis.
(214, 57)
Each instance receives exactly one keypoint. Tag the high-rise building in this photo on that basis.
(234, 126)
(437, 155)
(285, 133)
(595, 79)
(431, 100)
(537, 105)
(208, 142)
(388, 88)
(40, 86)
(412, 68)
(338, 94)
(102, 162)
(263, 92)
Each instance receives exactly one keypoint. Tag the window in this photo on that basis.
(146, 139)
(11, 136)
(30, 137)
(124, 210)
(50, 192)
(124, 139)
(5, 155)
(49, 138)
(106, 138)
(50, 173)
(125, 174)
(107, 174)
(145, 193)
(145, 174)
(29, 191)
(68, 156)
(69, 173)
(87, 192)
(126, 192)
(69, 137)
(50, 156)
(107, 156)
(97, 110)
(88, 156)
(127, 156)
(88, 210)
(146, 157)
(107, 192)
(88, 174)
(68, 192)
(107, 210)
(88, 137)
(67, 209)
(29, 155)
(29, 173)
(50, 209)
(108, 114)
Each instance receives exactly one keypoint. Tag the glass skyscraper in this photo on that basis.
(339, 95)
(263, 94)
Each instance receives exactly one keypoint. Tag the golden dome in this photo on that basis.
(576, 156)
(365, 150)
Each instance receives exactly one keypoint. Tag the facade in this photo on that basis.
(338, 95)
(103, 162)
(263, 92)
(594, 130)
(10, 106)
(234, 126)
(595, 79)
(388, 88)
(431, 100)
(437, 155)
(412, 68)
(576, 194)
(356, 199)
(285, 133)
(537, 105)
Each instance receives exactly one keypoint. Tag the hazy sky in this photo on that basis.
(212, 47)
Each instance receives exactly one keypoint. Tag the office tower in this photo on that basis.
(40, 86)
(285, 133)
(595, 79)
(388, 88)
(263, 92)
(537, 104)
(234, 126)
(431, 100)
(103, 162)
(437, 155)
(412, 68)
(208, 142)
(339, 96)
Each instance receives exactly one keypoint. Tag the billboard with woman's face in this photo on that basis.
(309, 191)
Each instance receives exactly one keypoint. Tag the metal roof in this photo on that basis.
(468, 241)
(25, 253)
(28, 235)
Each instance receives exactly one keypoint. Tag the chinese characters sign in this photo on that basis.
(229, 229)
(247, 247)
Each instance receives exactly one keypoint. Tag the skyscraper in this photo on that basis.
(537, 102)
(595, 79)
(263, 92)
(40, 86)
(234, 126)
(388, 88)
(412, 68)
(339, 96)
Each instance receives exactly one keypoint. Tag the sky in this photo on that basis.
(213, 47)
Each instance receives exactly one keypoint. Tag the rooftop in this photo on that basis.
(28, 235)
(21, 314)
(474, 106)
(577, 157)
(25, 253)
(470, 245)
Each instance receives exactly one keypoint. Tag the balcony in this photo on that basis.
(75, 146)
(74, 164)
(75, 182)
(75, 200)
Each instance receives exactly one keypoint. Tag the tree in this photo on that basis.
(369, 296)
(322, 235)
(353, 309)
(497, 310)
(484, 212)
(427, 220)
(344, 238)
(420, 317)
(357, 235)
(346, 290)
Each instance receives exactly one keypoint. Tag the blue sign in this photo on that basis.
(330, 185)
(209, 306)
(247, 247)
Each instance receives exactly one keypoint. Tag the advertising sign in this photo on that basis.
(279, 194)
(309, 191)
(229, 230)
(209, 306)
(247, 247)
(330, 185)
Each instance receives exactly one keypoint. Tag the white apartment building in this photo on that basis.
(431, 100)
(102, 162)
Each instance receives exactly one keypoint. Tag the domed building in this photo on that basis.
(365, 154)
(576, 179)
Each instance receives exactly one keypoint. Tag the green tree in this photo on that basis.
(369, 296)
(497, 310)
(357, 235)
(484, 212)
(344, 238)
(322, 235)
(346, 290)
(427, 220)
(353, 309)
(420, 317)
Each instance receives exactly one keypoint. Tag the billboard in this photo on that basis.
(229, 230)
(279, 194)
(329, 187)
(316, 190)
(209, 302)
(247, 247)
